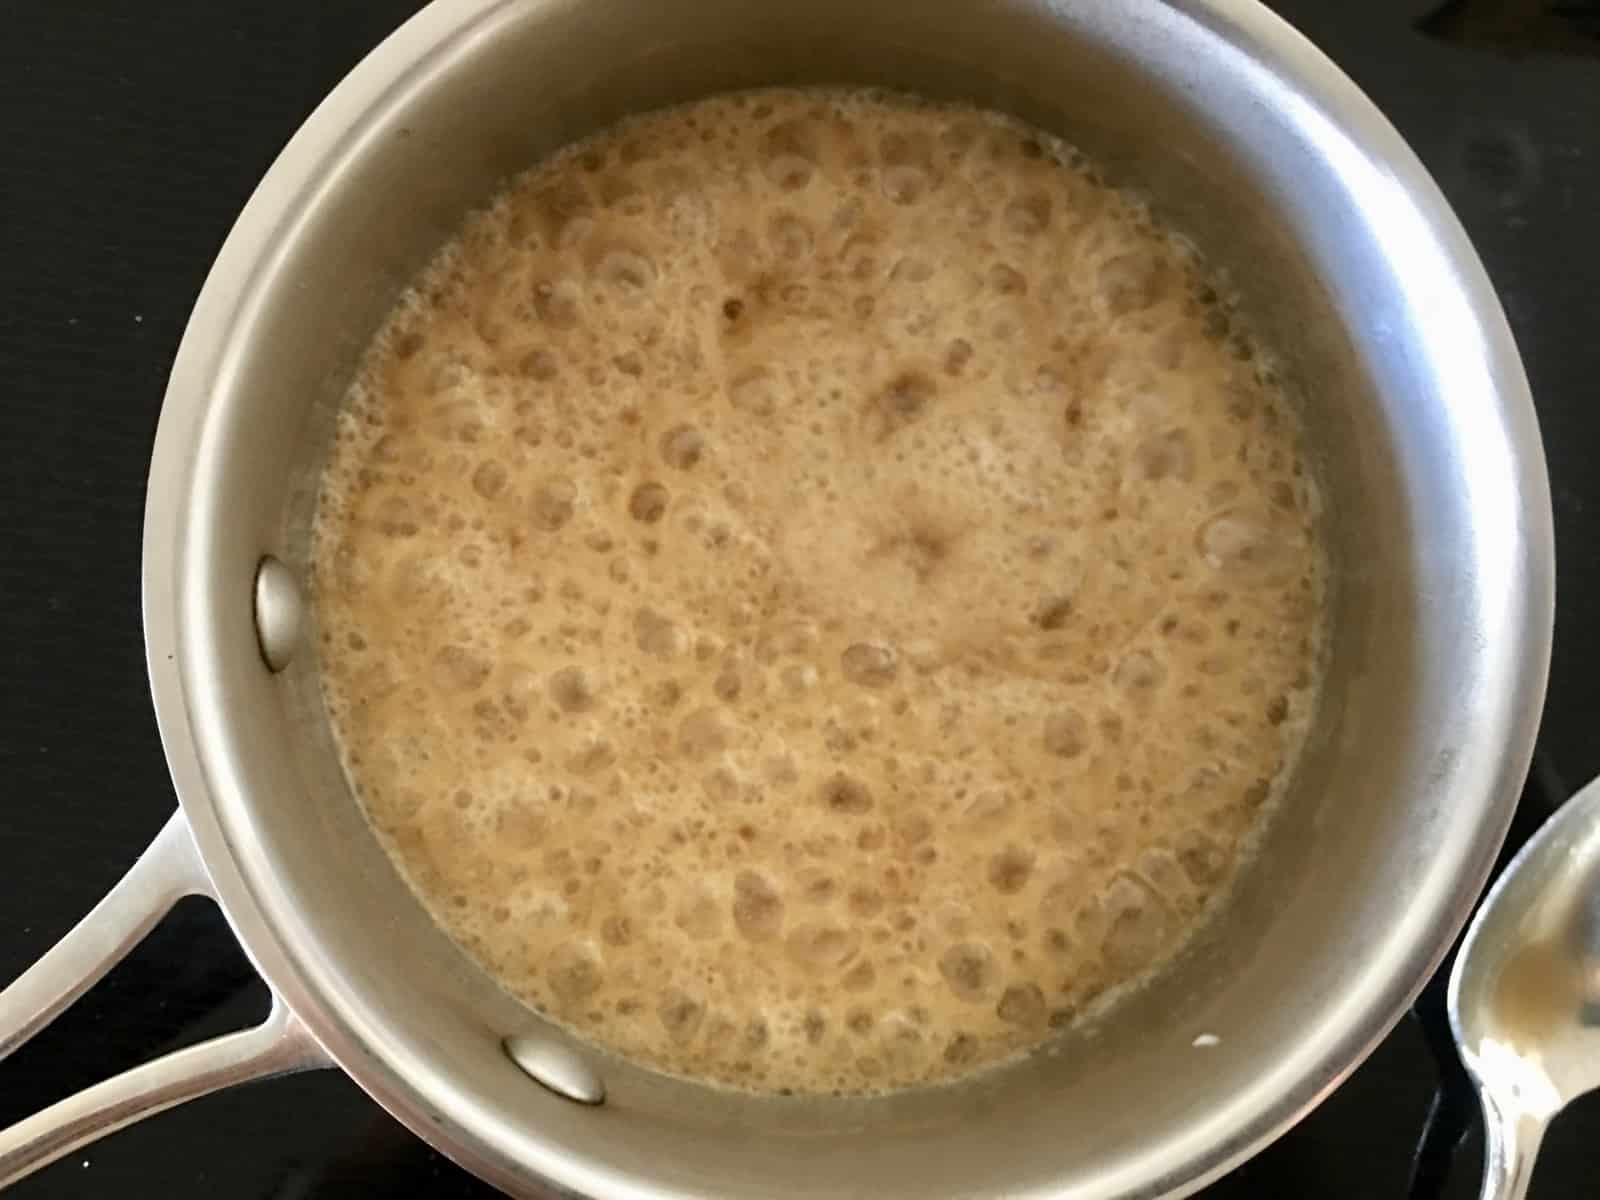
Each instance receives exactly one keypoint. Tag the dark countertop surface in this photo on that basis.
(130, 136)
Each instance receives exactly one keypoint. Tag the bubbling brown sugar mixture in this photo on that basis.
(816, 591)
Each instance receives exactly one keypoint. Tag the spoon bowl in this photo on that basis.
(1525, 992)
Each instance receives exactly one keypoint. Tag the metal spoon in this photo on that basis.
(1525, 992)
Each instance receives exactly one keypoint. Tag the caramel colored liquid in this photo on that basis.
(815, 590)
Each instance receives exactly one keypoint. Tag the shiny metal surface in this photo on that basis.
(1525, 991)
(280, 613)
(168, 871)
(558, 1067)
(165, 873)
(1349, 261)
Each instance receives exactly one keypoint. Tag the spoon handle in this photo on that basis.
(1511, 1143)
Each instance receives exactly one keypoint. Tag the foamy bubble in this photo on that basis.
(757, 907)
(903, 400)
(682, 447)
(563, 211)
(845, 795)
(558, 302)
(1010, 869)
(489, 479)
(1066, 733)
(574, 974)
(1168, 455)
(553, 504)
(791, 237)
(1137, 922)
(1203, 860)
(1130, 282)
(1023, 1005)
(625, 269)
(869, 665)
(1242, 543)
(1140, 673)
(571, 690)
(459, 669)
(756, 391)
(680, 1015)
(656, 635)
(702, 733)
(1029, 214)
(1007, 280)
(791, 151)
(698, 914)
(648, 503)
(969, 969)
(822, 946)
(908, 171)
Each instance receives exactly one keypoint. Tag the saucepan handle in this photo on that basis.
(168, 871)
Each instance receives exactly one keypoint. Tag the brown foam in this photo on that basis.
(812, 592)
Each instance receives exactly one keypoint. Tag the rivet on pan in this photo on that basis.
(558, 1068)
(280, 613)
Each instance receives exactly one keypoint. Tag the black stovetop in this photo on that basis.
(131, 132)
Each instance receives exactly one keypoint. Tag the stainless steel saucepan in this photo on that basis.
(1353, 265)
